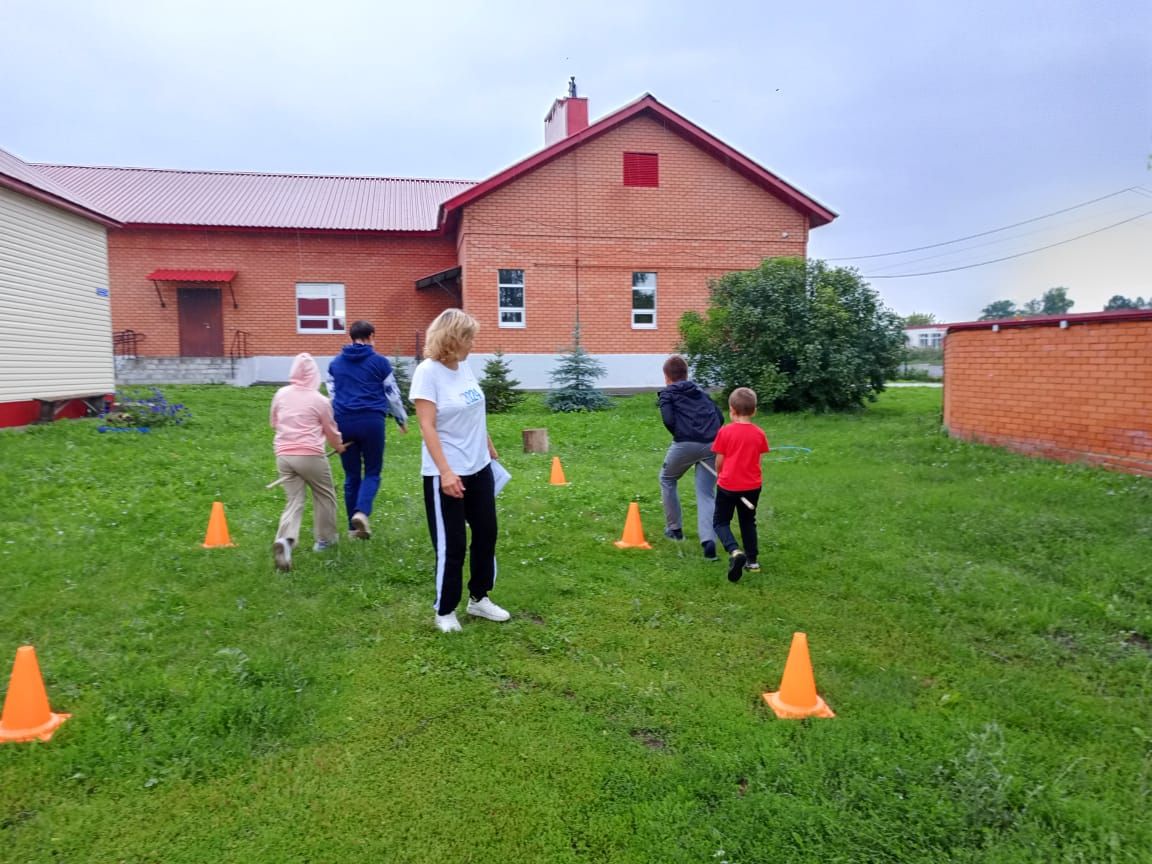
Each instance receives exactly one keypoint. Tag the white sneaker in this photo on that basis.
(282, 554)
(361, 526)
(448, 623)
(485, 608)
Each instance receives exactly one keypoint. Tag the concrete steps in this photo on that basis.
(132, 371)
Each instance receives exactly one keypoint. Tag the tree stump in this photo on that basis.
(535, 440)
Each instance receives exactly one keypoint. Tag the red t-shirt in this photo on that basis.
(742, 444)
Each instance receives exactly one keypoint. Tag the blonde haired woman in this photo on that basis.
(457, 453)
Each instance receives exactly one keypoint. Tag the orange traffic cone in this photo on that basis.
(557, 473)
(217, 528)
(796, 698)
(26, 713)
(633, 532)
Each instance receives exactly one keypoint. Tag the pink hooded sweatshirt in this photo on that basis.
(302, 417)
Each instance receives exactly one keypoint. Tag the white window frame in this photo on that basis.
(655, 302)
(333, 292)
(516, 310)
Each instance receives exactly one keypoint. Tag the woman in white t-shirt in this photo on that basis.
(457, 453)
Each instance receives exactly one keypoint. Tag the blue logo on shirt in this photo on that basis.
(472, 396)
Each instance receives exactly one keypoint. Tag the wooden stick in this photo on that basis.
(743, 500)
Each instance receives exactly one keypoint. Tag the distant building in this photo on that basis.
(926, 337)
(55, 321)
(621, 223)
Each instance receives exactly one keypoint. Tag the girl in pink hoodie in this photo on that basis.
(303, 420)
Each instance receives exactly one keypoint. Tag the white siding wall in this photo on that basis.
(55, 331)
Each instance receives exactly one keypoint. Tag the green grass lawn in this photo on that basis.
(980, 622)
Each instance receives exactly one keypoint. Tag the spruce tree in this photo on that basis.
(573, 379)
(403, 381)
(499, 387)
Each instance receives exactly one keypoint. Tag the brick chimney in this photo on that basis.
(567, 116)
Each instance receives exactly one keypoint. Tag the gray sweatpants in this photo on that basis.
(300, 472)
(681, 456)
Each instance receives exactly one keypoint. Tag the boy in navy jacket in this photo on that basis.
(693, 419)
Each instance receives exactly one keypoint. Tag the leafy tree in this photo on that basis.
(1033, 307)
(920, 319)
(403, 381)
(1056, 301)
(998, 310)
(573, 380)
(499, 386)
(1119, 301)
(800, 333)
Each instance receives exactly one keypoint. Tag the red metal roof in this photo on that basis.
(817, 213)
(192, 275)
(147, 196)
(1054, 320)
(19, 175)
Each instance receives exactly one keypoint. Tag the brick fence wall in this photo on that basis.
(1076, 393)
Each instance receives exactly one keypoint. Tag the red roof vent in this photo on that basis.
(641, 169)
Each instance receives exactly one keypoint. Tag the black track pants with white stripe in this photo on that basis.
(447, 521)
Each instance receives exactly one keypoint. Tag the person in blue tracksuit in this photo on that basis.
(364, 392)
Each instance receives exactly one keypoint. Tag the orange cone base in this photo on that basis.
(622, 545)
(43, 732)
(217, 545)
(795, 712)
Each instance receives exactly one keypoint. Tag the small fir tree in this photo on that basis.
(403, 381)
(572, 381)
(499, 386)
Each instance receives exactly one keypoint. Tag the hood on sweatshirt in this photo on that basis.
(357, 352)
(305, 373)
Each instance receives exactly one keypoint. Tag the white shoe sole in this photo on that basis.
(479, 614)
(360, 528)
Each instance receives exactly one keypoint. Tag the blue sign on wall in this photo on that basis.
(101, 292)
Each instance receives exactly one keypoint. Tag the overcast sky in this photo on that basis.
(917, 122)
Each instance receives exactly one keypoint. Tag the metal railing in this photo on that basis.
(126, 343)
(239, 349)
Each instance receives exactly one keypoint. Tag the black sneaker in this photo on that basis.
(674, 533)
(736, 566)
(709, 550)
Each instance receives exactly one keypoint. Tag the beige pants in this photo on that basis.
(300, 472)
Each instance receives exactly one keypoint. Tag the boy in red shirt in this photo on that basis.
(738, 448)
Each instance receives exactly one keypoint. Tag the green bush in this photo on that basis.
(801, 334)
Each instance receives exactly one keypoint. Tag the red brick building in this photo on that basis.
(1077, 388)
(622, 222)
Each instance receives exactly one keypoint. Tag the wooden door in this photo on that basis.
(201, 322)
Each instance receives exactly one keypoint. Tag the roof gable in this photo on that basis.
(647, 104)
(29, 180)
